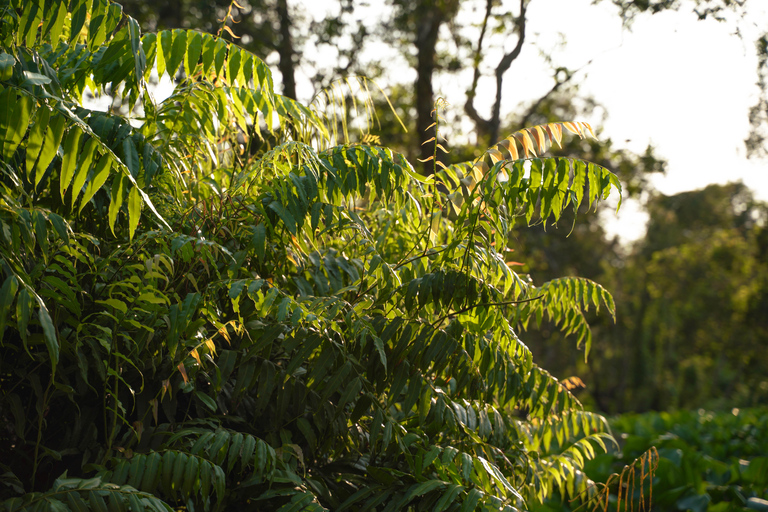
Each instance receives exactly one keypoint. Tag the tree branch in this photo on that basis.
(558, 84)
(490, 127)
(502, 68)
(483, 125)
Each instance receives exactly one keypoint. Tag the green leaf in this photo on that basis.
(41, 231)
(32, 78)
(49, 333)
(7, 294)
(380, 349)
(36, 136)
(285, 215)
(209, 402)
(208, 46)
(190, 476)
(96, 502)
(758, 504)
(139, 58)
(6, 66)
(97, 25)
(29, 22)
(233, 66)
(194, 49)
(134, 210)
(76, 503)
(178, 50)
(100, 175)
(56, 27)
(118, 195)
(83, 166)
(164, 49)
(79, 10)
(470, 502)
(50, 146)
(18, 123)
(259, 240)
(69, 160)
(114, 303)
(220, 55)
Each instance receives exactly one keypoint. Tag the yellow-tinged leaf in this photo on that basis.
(428, 140)
(557, 132)
(573, 129)
(196, 355)
(550, 134)
(183, 371)
(495, 155)
(167, 388)
(588, 128)
(478, 172)
(538, 138)
(440, 164)
(525, 140)
(426, 159)
(229, 31)
(510, 145)
(440, 146)
(479, 169)
(572, 383)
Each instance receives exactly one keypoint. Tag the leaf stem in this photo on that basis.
(485, 304)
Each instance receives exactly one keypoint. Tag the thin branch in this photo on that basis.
(502, 68)
(559, 83)
(486, 304)
(490, 127)
(483, 125)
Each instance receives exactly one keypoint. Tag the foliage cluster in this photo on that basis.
(692, 295)
(208, 302)
(708, 462)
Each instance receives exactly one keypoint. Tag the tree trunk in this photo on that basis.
(426, 40)
(285, 50)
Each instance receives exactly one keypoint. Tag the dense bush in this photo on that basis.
(211, 302)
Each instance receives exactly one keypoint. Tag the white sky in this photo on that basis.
(681, 84)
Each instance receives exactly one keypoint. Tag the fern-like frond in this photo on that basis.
(564, 302)
(76, 494)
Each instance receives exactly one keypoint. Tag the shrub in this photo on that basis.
(211, 302)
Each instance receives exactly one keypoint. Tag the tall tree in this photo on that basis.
(488, 129)
(420, 23)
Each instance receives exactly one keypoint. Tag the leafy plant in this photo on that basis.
(687, 460)
(208, 303)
